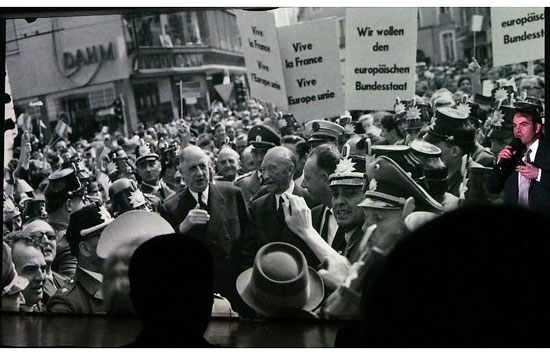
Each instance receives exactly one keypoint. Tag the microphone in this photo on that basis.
(517, 147)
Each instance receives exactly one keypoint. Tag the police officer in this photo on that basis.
(148, 169)
(83, 294)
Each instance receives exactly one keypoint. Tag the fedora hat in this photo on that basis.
(280, 282)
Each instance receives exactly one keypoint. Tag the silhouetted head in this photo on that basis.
(171, 283)
(470, 278)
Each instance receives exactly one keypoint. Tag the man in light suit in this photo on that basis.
(215, 214)
(526, 184)
(267, 213)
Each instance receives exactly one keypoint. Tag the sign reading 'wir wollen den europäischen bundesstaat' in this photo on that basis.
(380, 56)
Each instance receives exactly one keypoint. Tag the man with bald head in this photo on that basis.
(215, 214)
(44, 234)
(278, 167)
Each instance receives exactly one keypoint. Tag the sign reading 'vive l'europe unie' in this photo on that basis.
(262, 57)
(380, 57)
(517, 34)
(311, 67)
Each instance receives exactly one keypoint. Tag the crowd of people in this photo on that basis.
(296, 216)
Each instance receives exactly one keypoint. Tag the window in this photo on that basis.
(448, 46)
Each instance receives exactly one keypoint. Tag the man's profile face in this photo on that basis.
(195, 170)
(344, 204)
(315, 179)
(524, 129)
(47, 237)
(30, 264)
(149, 170)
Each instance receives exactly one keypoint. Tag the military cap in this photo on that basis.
(483, 100)
(323, 130)
(132, 227)
(125, 196)
(145, 151)
(261, 136)
(451, 125)
(389, 187)
(62, 184)
(401, 154)
(530, 102)
(34, 208)
(501, 123)
(118, 164)
(11, 282)
(413, 114)
(86, 222)
(346, 174)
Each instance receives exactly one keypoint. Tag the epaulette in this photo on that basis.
(69, 286)
(239, 178)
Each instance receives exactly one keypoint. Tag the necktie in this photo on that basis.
(523, 193)
(324, 230)
(201, 203)
(280, 212)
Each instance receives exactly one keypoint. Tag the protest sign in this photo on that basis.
(477, 22)
(380, 57)
(311, 67)
(262, 57)
(518, 34)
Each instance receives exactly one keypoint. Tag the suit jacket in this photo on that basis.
(351, 249)
(64, 262)
(80, 295)
(507, 179)
(270, 227)
(226, 234)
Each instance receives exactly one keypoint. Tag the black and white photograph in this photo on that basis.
(298, 177)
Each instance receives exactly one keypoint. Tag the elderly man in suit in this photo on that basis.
(524, 176)
(267, 214)
(215, 214)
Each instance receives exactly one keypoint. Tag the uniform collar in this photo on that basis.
(96, 275)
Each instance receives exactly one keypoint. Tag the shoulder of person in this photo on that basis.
(60, 301)
(61, 278)
(244, 176)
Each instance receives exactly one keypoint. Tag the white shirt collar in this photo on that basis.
(95, 275)
(204, 195)
(288, 191)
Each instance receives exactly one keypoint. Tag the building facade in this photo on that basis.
(82, 64)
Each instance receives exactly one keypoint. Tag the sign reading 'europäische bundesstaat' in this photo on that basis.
(380, 56)
(262, 57)
(518, 34)
(311, 67)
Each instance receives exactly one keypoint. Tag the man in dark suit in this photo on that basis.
(215, 214)
(267, 211)
(320, 164)
(82, 294)
(526, 181)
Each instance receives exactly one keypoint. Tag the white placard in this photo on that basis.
(380, 57)
(311, 67)
(262, 57)
(477, 22)
(518, 34)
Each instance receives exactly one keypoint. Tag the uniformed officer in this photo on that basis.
(346, 185)
(125, 196)
(64, 194)
(261, 138)
(83, 293)
(118, 165)
(322, 131)
(454, 135)
(413, 116)
(148, 169)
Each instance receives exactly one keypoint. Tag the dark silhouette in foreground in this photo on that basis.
(171, 287)
(470, 278)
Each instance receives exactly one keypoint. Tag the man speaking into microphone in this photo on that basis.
(523, 166)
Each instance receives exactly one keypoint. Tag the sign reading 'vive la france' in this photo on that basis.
(311, 67)
(262, 56)
(380, 57)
